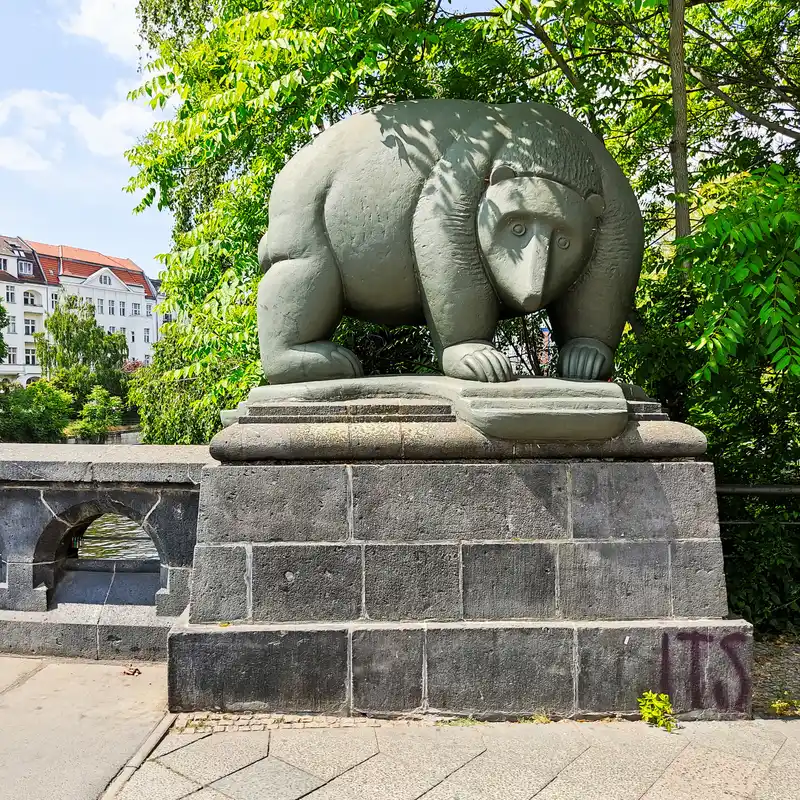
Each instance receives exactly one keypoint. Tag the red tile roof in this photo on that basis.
(79, 254)
(49, 268)
(76, 269)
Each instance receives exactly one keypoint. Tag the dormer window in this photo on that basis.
(4, 264)
(105, 280)
(25, 267)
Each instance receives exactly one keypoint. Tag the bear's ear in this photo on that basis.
(502, 172)
(596, 204)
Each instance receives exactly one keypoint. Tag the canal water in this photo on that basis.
(113, 536)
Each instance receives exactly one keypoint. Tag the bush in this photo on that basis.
(100, 413)
(36, 413)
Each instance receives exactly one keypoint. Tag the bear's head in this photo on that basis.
(536, 237)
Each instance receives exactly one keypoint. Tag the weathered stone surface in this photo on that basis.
(701, 664)
(133, 633)
(220, 584)
(503, 670)
(413, 582)
(644, 500)
(509, 581)
(23, 517)
(614, 580)
(306, 582)
(274, 503)
(698, 579)
(70, 631)
(173, 596)
(387, 669)
(401, 502)
(300, 670)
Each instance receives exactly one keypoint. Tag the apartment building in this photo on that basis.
(34, 275)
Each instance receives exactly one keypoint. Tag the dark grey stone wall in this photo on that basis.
(490, 670)
(486, 541)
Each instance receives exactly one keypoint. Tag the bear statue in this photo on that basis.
(453, 214)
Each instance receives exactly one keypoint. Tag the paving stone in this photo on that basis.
(741, 739)
(379, 778)
(782, 781)
(207, 794)
(700, 769)
(154, 782)
(401, 502)
(614, 580)
(216, 756)
(269, 778)
(438, 751)
(14, 669)
(412, 582)
(324, 753)
(174, 741)
(509, 581)
(387, 669)
(306, 582)
(622, 770)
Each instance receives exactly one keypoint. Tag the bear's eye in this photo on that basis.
(562, 241)
(518, 229)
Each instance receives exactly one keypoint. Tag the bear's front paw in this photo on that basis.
(585, 360)
(476, 361)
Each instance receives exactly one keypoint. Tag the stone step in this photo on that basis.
(493, 670)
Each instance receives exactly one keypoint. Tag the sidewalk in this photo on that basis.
(68, 727)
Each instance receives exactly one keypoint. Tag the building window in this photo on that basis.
(4, 264)
(30, 356)
(111, 307)
(105, 280)
(136, 309)
(147, 335)
(25, 267)
(99, 305)
(11, 357)
(122, 330)
(12, 325)
(167, 318)
(29, 299)
(30, 326)
(133, 336)
(11, 296)
(122, 308)
(112, 329)
(149, 310)
(54, 301)
(147, 359)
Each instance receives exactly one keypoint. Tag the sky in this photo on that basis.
(65, 124)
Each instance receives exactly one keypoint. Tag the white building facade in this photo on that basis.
(33, 276)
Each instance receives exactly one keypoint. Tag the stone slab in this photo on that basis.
(274, 504)
(323, 753)
(402, 502)
(698, 578)
(220, 584)
(270, 777)
(13, 670)
(306, 582)
(412, 582)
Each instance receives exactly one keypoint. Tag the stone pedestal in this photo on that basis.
(498, 586)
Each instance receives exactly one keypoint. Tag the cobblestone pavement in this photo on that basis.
(262, 757)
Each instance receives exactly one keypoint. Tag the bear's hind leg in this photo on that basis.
(300, 303)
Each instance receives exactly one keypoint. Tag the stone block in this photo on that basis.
(173, 525)
(173, 596)
(70, 631)
(23, 519)
(698, 579)
(238, 669)
(132, 633)
(440, 501)
(702, 665)
(509, 581)
(292, 503)
(412, 582)
(643, 500)
(220, 584)
(614, 580)
(495, 671)
(306, 582)
(25, 589)
(387, 669)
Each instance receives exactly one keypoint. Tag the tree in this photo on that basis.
(76, 354)
(100, 413)
(3, 323)
(35, 413)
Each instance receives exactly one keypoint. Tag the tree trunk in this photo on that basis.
(678, 145)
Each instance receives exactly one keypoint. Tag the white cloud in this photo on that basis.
(16, 154)
(113, 23)
(112, 132)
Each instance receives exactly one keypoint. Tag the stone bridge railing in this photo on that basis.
(50, 493)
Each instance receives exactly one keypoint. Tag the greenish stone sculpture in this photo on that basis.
(453, 214)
